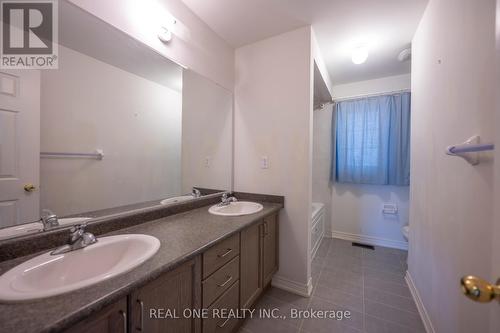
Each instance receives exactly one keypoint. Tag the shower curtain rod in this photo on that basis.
(342, 99)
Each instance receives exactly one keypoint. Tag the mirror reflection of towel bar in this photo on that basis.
(469, 148)
(98, 155)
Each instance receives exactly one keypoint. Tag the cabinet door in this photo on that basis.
(250, 269)
(154, 307)
(270, 248)
(112, 319)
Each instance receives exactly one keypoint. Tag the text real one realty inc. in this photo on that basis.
(162, 313)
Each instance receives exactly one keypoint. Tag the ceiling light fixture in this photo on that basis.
(405, 55)
(359, 55)
(164, 35)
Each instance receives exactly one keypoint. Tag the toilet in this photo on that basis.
(406, 231)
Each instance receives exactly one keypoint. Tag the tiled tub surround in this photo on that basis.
(368, 283)
(182, 237)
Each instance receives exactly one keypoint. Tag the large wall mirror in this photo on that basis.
(117, 127)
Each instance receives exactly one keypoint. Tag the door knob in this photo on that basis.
(480, 290)
(29, 187)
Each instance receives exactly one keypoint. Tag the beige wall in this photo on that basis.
(87, 104)
(375, 86)
(206, 134)
(194, 44)
(495, 319)
(451, 202)
(322, 145)
(320, 63)
(273, 118)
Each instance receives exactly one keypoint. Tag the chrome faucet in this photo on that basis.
(78, 239)
(49, 220)
(227, 199)
(196, 193)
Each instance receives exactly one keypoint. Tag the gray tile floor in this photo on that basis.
(368, 283)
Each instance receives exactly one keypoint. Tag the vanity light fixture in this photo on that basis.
(404, 55)
(359, 55)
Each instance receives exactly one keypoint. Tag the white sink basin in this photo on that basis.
(19, 230)
(30, 228)
(49, 275)
(72, 220)
(180, 198)
(237, 208)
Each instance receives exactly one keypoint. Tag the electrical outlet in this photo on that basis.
(208, 161)
(264, 162)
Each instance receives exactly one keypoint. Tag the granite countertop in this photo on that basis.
(182, 237)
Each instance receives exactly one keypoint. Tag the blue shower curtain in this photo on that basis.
(372, 140)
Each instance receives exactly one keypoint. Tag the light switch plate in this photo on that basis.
(264, 162)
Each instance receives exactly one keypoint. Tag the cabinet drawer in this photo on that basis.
(220, 254)
(220, 281)
(229, 300)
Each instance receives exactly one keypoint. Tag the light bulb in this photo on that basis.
(359, 55)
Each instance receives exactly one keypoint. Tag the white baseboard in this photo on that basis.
(370, 240)
(292, 286)
(420, 306)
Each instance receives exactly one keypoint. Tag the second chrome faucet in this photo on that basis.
(227, 199)
(78, 239)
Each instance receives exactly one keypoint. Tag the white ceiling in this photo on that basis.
(386, 25)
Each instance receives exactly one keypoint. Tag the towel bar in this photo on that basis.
(98, 155)
(469, 149)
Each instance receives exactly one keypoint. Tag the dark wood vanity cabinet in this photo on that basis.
(159, 306)
(269, 248)
(231, 274)
(251, 278)
(259, 259)
(156, 307)
(112, 318)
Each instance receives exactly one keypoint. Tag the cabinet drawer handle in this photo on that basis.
(141, 321)
(226, 282)
(124, 317)
(265, 229)
(225, 253)
(224, 323)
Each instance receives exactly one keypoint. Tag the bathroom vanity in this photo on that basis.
(204, 261)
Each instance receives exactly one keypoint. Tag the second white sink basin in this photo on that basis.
(20, 230)
(64, 221)
(180, 198)
(49, 275)
(237, 208)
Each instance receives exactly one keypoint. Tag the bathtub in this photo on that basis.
(317, 226)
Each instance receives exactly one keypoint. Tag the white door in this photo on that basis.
(19, 146)
(495, 267)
